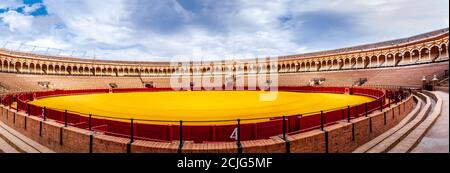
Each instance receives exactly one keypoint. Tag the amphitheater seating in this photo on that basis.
(404, 76)
(3, 89)
(378, 45)
(19, 142)
(416, 134)
(30, 82)
(408, 76)
(407, 134)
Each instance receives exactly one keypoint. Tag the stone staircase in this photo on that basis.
(3, 88)
(12, 141)
(405, 136)
(444, 82)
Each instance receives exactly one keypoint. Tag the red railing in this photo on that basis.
(175, 130)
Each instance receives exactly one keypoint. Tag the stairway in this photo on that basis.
(360, 82)
(3, 88)
(444, 82)
(405, 136)
(12, 141)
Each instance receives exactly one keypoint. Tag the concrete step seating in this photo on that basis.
(415, 136)
(12, 141)
(5, 147)
(408, 133)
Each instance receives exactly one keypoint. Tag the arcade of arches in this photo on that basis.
(432, 50)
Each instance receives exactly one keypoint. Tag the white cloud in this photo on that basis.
(17, 21)
(99, 21)
(49, 42)
(160, 30)
(9, 4)
(386, 19)
(32, 8)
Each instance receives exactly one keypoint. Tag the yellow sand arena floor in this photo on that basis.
(199, 105)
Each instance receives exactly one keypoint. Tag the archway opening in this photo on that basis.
(434, 51)
(397, 58)
(415, 56)
(406, 58)
(444, 51)
(381, 60)
(425, 54)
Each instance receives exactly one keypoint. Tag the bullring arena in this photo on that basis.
(390, 96)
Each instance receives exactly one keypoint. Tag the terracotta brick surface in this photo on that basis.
(79, 137)
(109, 144)
(340, 138)
(140, 146)
(308, 142)
(273, 145)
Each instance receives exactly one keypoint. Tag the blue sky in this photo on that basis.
(161, 30)
(39, 9)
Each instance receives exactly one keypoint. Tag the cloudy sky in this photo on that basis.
(160, 30)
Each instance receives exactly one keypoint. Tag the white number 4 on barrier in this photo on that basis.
(234, 134)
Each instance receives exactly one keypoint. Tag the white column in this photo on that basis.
(378, 61)
(403, 57)
(429, 54)
(393, 58)
(410, 57)
(446, 51)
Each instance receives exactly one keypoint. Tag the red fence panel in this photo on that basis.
(35, 110)
(124, 90)
(309, 122)
(197, 133)
(225, 132)
(55, 115)
(293, 123)
(151, 131)
(118, 127)
(250, 131)
(333, 116)
(270, 128)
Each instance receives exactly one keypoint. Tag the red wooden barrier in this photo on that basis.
(249, 131)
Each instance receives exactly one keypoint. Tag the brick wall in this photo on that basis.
(342, 137)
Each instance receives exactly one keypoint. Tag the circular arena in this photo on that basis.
(199, 106)
(202, 119)
(353, 99)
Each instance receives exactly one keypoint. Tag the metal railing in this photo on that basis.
(287, 124)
